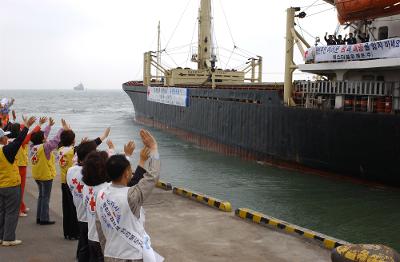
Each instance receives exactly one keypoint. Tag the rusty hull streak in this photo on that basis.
(213, 146)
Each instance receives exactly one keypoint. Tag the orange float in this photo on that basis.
(353, 10)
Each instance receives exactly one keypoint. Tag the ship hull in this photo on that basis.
(254, 124)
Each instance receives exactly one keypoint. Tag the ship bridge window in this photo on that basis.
(368, 77)
(383, 33)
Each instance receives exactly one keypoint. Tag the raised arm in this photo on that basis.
(52, 144)
(140, 171)
(37, 128)
(138, 193)
(48, 127)
(103, 137)
(11, 150)
(111, 148)
(99, 139)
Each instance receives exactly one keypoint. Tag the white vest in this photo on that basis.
(89, 201)
(124, 232)
(75, 184)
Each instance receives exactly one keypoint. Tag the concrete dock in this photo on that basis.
(181, 230)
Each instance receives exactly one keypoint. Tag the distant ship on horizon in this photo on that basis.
(79, 87)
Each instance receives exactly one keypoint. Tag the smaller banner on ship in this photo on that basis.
(168, 95)
(389, 48)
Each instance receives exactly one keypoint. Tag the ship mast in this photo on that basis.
(158, 50)
(205, 40)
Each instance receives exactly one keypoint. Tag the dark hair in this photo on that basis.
(116, 166)
(94, 168)
(37, 138)
(84, 149)
(67, 138)
(15, 130)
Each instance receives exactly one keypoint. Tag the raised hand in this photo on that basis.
(28, 122)
(144, 155)
(65, 125)
(148, 140)
(110, 144)
(84, 140)
(129, 148)
(51, 121)
(105, 134)
(14, 116)
(42, 120)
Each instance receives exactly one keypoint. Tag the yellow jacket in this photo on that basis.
(9, 174)
(43, 169)
(22, 156)
(65, 156)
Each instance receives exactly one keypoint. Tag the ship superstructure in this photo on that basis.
(206, 73)
(362, 77)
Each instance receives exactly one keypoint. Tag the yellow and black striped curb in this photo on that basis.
(164, 185)
(259, 218)
(210, 201)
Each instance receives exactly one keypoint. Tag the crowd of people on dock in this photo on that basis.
(350, 39)
(101, 197)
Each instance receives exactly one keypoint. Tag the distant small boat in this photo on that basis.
(79, 87)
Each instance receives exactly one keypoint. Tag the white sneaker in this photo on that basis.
(22, 214)
(27, 209)
(11, 243)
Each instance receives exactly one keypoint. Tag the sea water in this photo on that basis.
(353, 212)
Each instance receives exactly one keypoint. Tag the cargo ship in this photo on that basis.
(79, 87)
(345, 123)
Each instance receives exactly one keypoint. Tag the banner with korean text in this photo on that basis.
(168, 95)
(389, 48)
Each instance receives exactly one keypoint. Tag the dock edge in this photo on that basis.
(210, 201)
(262, 219)
(164, 185)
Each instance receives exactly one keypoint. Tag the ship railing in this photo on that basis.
(346, 87)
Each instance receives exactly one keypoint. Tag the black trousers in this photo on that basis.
(96, 254)
(70, 220)
(82, 253)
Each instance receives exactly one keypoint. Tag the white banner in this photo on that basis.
(389, 48)
(168, 95)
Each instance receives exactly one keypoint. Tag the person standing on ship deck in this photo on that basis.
(339, 40)
(329, 39)
(364, 38)
(10, 181)
(351, 40)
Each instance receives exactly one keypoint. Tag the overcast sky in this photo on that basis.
(58, 44)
